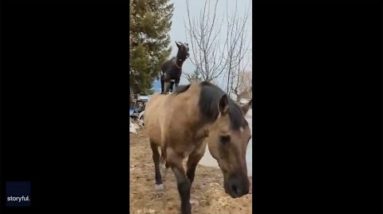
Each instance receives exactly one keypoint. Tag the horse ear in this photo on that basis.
(224, 104)
(246, 107)
(178, 44)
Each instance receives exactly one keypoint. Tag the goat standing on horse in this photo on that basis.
(172, 69)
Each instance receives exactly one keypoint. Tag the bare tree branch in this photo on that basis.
(203, 34)
(214, 52)
(236, 48)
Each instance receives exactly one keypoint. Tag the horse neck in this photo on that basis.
(189, 107)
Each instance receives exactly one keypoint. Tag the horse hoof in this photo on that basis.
(159, 187)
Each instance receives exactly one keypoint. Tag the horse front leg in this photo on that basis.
(183, 184)
(193, 160)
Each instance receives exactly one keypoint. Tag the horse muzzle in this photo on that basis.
(237, 186)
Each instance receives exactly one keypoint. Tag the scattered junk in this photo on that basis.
(136, 113)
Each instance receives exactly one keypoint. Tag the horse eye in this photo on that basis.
(225, 139)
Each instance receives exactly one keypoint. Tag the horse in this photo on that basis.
(183, 123)
(172, 69)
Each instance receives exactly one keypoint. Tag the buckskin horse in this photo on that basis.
(184, 122)
(172, 69)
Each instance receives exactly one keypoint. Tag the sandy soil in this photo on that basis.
(207, 193)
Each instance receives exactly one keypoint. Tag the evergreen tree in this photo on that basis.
(150, 23)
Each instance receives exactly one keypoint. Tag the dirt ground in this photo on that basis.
(207, 193)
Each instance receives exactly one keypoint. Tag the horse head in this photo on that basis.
(228, 136)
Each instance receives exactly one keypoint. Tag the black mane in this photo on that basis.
(208, 106)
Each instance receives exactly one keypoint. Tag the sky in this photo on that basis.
(178, 29)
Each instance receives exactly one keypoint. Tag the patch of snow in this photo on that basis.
(144, 98)
(133, 128)
(244, 101)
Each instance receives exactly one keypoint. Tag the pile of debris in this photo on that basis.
(136, 123)
(137, 113)
(134, 127)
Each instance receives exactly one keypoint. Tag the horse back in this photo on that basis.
(173, 119)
